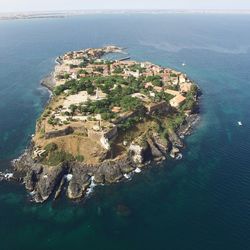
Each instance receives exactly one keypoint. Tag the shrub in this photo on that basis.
(57, 157)
(118, 70)
(51, 147)
(79, 158)
(129, 103)
(66, 122)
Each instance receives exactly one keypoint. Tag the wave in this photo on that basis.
(137, 170)
(68, 177)
(91, 187)
(128, 176)
(6, 176)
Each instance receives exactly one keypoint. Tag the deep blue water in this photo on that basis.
(201, 202)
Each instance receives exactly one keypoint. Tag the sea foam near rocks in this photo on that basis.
(91, 187)
(127, 176)
(68, 177)
(6, 176)
(137, 170)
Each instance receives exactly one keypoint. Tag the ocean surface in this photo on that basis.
(200, 202)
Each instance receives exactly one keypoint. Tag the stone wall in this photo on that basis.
(111, 134)
(57, 133)
(103, 136)
(162, 107)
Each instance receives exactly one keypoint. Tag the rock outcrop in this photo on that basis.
(162, 143)
(79, 182)
(47, 182)
(155, 151)
(175, 139)
(138, 150)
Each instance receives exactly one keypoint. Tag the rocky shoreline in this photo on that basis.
(48, 82)
(74, 178)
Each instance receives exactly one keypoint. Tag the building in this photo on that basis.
(135, 74)
(162, 107)
(158, 89)
(116, 109)
(177, 101)
(185, 87)
(172, 92)
(182, 78)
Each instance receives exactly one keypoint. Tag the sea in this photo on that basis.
(199, 202)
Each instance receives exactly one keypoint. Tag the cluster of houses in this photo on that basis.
(72, 66)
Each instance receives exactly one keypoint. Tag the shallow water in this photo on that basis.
(200, 202)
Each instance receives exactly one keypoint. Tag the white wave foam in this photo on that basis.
(91, 187)
(33, 193)
(6, 176)
(127, 176)
(32, 196)
(68, 177)
(179, 156)
(137, 170)
(19, 158)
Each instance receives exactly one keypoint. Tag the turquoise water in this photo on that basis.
(201, 202)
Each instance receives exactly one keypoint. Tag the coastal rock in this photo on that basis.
(190, 122)
(112, 173)
(49, 82)
(108, 172)
(175, 140)
(99, 176)
(162, 144)
(24, 163)
(125, 169)
(48, 180)
(174, 152)
(79, 182)
(137, 151)
(156, 153)
(126, 165)
(30, 179)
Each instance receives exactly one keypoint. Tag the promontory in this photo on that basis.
(106, 120)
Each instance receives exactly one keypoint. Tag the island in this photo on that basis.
(106, 119)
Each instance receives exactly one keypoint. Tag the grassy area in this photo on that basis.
(54, 156)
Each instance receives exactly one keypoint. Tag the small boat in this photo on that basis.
(240, 123)
(183, 64)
